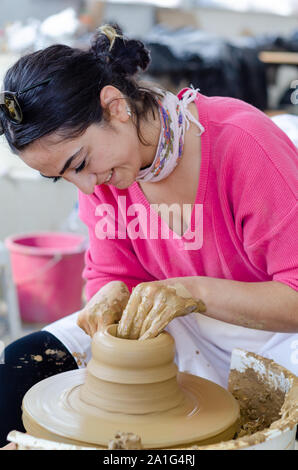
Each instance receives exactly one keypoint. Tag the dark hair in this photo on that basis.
(70, 102)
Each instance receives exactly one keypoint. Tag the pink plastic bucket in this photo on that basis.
(47, 271)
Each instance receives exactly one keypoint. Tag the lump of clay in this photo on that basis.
(104, 308)
(125, 440)
(152, 306)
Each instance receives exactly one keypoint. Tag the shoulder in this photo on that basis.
(224, 110)
(229, 120)
(243, 137)
(240, 118)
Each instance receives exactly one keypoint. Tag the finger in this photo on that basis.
(143, 309)
(82, 323)
(92, 329)
(160, 317)
(159, 324)
(86, 327)
(129, 313)
(159, 302)
(161, 321)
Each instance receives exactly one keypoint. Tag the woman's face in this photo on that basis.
(104, 154)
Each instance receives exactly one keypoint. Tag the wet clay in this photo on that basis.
(260, 405)
(125, 440)
(133, 386)
(268, 398)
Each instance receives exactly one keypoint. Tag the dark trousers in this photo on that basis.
(24, 363)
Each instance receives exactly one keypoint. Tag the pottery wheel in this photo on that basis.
(130, 386)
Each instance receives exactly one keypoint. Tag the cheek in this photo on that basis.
(96, 163)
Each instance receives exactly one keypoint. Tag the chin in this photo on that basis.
(123, 184)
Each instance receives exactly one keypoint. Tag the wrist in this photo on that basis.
(194, 284)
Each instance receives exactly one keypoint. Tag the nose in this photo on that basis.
(84, 183)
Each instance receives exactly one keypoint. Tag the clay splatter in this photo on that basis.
(80, 358)
(56, 352)
(37, 358)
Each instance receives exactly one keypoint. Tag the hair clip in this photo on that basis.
(111, 33)
(9, 103)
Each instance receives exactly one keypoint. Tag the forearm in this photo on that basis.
(271, 305)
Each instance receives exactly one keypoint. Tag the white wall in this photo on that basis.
(29, 204)
(230, 23)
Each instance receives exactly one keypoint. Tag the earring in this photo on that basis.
(128, 111)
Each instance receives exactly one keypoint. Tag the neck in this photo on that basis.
(150, 132)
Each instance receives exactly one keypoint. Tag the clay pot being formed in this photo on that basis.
(131, 386)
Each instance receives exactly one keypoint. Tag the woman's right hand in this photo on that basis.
(104, 308)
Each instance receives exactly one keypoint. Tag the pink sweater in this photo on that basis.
(247, 230)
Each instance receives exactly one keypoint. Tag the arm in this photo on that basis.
(271, 306)
(259, 188)
(259, 192)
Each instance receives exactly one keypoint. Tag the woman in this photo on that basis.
(227, 173)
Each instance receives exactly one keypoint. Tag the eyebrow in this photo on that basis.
(67, 164)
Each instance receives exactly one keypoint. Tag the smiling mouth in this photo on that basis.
(110, 176)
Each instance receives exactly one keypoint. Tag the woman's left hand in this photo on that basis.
(152, 305)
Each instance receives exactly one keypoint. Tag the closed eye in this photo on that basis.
(54, 178)
(81, 167)
(77, 170)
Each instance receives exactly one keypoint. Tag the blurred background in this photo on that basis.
(247, 49)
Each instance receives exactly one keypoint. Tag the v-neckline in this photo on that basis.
(203, 176)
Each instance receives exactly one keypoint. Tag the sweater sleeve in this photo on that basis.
(260, 178)
(107, 259)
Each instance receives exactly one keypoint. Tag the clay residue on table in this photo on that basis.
(260, 405)
(126, 441)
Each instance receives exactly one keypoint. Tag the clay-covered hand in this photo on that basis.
(104, 308)
(152, 305)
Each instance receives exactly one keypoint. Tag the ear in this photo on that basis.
(113, 103)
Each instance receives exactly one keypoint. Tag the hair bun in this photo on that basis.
(124, 55)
